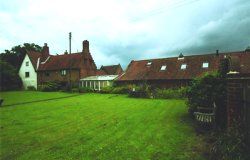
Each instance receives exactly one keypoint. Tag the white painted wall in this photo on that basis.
(32, 79)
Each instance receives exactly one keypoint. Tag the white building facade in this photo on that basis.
(27, 73)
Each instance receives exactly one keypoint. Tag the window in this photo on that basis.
(27, 74)
(163, 68)
(183, 66)
(205, 65)
(63, 72)
(27, 63)
(149, 63)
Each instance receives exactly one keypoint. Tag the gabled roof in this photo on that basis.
(66, 61)
(100, 72)
(112, 69)
(151, 69)
(33, 56)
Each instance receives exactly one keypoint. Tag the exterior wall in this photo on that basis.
(96, 84)
(238, 103)
(32, 79)
(46, 76)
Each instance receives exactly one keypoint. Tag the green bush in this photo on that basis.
(9, 77)
(85, 90)
(122, 89)
(31, 88)
(107, 89)
(50, 86)
(75, 90)
(170, 93)
(142, 91)
(206, 90)
(231, 145)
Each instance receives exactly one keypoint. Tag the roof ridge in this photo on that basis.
(194, 55)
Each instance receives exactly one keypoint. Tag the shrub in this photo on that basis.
(205, 90)
(31, 88)
(9, 77)
(75, 90)
(107, 89)
(50, 86)
(121, 90)
(85, 90)
(142, 91)
(170, 93)
(231, 145)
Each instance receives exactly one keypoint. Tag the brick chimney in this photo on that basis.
(85, 46)
(45, 52)
(66, 52)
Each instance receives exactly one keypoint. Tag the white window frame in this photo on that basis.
(205, 65)
(27, 63)
(163, 67)
(149, 63)
(183, 66)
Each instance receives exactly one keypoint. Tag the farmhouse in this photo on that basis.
(28, 69)
(40, 68)
(178, 71)
(66, 68)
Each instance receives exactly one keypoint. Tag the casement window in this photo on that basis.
(27, 74)
(27, 63)
(205, 65)
(164, 67)
(183, 66)
(63, 72)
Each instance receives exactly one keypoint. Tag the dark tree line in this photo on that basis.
(16, 55)
(10, 62)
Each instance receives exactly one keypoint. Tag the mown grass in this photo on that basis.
(95, 126)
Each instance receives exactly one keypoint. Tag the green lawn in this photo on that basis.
(95, 126)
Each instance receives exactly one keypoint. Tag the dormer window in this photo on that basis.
(163, 68)
(205, 65)
(184, 66)
(149, 63)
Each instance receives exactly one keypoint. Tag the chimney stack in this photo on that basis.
(45, 52)
(217, 52)
(66, 52)
(85, 46)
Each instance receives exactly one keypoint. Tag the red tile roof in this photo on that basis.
(65, 61)
(112, 69)
(33, 57)
(100, 72)
(142, 70)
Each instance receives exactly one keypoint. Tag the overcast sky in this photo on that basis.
(123, 30)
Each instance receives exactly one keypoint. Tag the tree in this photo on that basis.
(206, 90)
(9, 79)
(16, 55)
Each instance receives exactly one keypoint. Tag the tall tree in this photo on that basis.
(9, 78)
(16, 55)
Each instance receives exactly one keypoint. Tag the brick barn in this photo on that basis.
(177, 71)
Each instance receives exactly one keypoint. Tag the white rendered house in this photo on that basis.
(27, 71)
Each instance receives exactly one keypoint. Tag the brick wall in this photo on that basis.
(237, 104)
(57, 76)
(234, 99)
